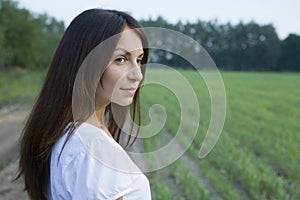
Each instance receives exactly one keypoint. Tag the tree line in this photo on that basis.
(29, 40)
(245, 46)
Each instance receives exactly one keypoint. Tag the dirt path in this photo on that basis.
(191, 164)
(11, 124)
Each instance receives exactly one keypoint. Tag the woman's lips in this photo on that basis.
(130, 91)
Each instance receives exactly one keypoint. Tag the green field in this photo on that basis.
(257, 155)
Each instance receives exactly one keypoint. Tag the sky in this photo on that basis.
(284, 15)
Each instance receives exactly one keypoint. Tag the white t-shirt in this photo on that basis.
(94, 166)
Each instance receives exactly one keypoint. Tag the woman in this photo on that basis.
(69, 146)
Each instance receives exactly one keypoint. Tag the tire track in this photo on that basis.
(193, 166)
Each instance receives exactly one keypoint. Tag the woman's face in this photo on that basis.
(123, 75)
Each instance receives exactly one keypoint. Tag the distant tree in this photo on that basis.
(158, 55)
(245, 46)
(3, 56)
(290, 53)
(48, 33)
(26, 40)
(17, 34)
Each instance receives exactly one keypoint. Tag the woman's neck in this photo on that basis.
(97, 119)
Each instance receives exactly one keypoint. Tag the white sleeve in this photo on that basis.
(87, 178)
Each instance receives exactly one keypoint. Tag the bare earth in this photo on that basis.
(11, 124)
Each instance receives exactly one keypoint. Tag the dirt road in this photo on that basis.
(11, 124)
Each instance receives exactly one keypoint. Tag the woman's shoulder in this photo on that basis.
(89, 133)
(98, 162)
(105, 149)
(81, 139)
(96, 146)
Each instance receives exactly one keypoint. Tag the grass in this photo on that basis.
(257, 155)
(19, 87)
(2, 165)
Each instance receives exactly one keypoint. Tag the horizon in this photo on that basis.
(231, 11)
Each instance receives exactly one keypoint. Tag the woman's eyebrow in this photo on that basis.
(127, 52)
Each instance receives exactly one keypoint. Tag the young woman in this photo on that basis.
(70, 144)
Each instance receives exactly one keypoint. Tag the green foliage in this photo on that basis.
(160, 190)
(2, 165)
(49, 32)
(3, 52)
(245, 46)
(290, 59)
(249, 47)
(26, 41)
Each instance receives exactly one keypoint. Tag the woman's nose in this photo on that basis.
(135, 73)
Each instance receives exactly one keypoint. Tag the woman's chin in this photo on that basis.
(123, 102)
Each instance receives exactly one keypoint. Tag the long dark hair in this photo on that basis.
(53, 108)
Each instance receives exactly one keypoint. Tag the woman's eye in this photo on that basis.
(120, 60)
(139, 61)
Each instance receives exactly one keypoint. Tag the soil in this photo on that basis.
(11, 124)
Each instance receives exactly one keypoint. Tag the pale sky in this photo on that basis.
(284, 15)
